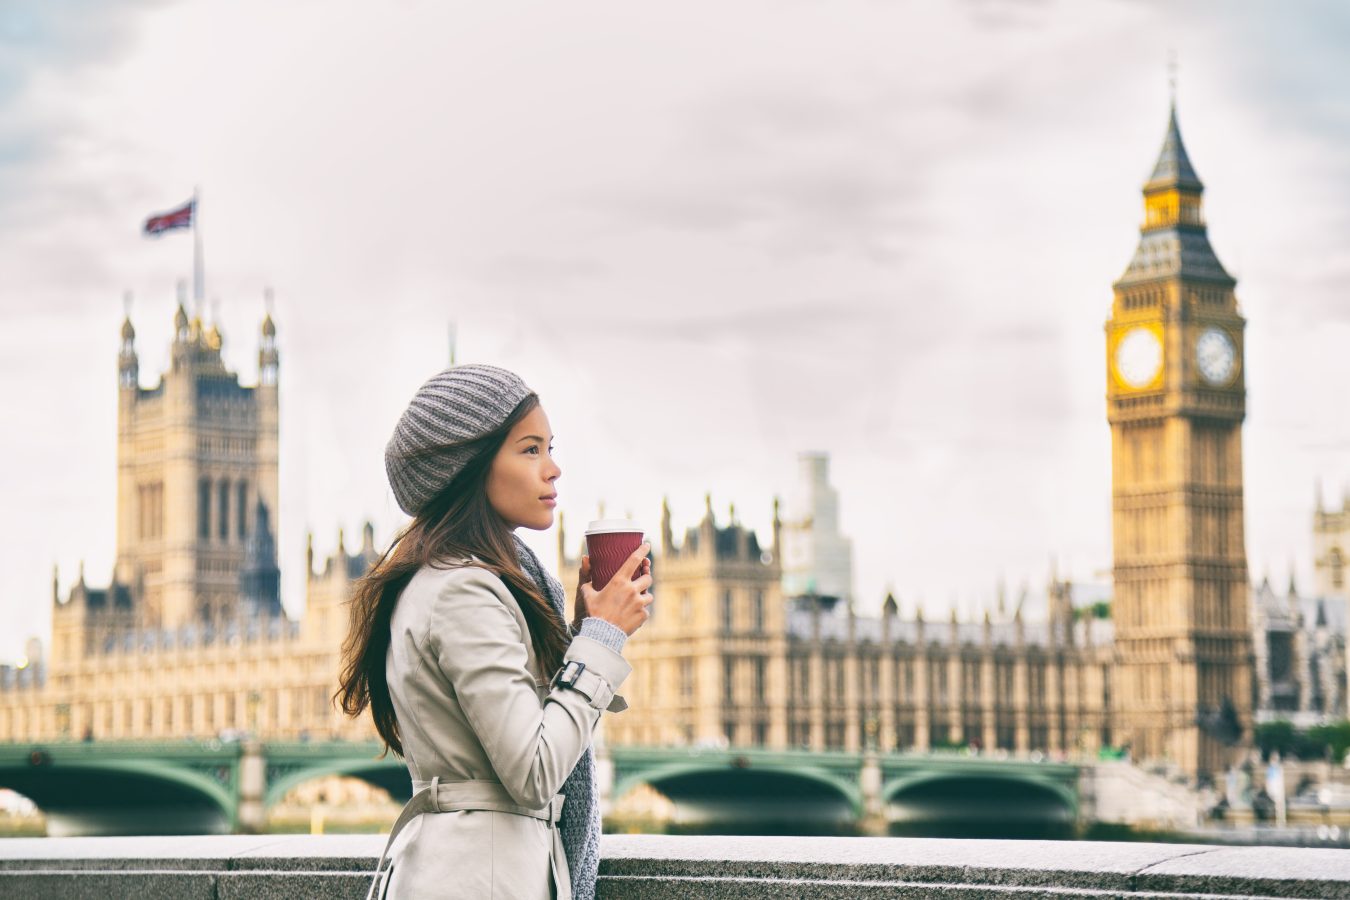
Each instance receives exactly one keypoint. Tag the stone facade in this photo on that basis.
(1299, 644)
(1331, 560)
(115, 679)
(727, 659)
(1331, 549)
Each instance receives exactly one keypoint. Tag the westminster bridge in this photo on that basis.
(213, 787)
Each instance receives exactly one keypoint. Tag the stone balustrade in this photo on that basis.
(656, 867)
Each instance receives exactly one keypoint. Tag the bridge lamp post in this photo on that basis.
(869, 781)
(254, 698)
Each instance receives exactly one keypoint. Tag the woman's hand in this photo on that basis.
(579, 604)
(623, 603)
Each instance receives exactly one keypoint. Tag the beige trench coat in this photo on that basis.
(472, 705)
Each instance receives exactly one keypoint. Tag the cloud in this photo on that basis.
(791, 169)
(1001, 15)
(54, 196)
(39, 36)
(48, 41)
(796, 323)
(534, 270)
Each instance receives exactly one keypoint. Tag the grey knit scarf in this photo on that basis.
(580, 823)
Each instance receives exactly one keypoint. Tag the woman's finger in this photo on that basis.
(635, 560)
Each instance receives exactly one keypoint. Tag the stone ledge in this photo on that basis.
(656, 867)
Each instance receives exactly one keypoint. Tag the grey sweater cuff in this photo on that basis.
(603, 632)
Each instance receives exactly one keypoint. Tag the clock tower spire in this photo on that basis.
(1176, 399)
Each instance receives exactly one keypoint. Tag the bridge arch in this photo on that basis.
(93, 791)
(1062, 792)
(204, 784)
(390, 774)
(982, 796)
(654, 775)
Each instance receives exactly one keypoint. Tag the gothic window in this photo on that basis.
(937, 680)
(242, 506)
(758, 611)
(1003, 673)
(726, 610)
(1337, 568)
(1280, 655)
(728, 680)
(686, 678)
(970, 679)
(758, 686)
(1040, 737)
(1005, 736)
(223, 509)
(204, 508)
(803, 680)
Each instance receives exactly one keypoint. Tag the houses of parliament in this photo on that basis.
(752, 642)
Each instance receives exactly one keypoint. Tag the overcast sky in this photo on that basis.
(710, 235)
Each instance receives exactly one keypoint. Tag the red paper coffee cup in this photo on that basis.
(609, 542)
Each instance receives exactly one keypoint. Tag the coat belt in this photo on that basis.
(438, 796)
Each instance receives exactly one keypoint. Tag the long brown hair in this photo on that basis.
(457, 523)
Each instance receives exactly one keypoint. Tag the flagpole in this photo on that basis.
(198, 275)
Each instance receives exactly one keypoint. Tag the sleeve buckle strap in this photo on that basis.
(589, 684)
(567, 676)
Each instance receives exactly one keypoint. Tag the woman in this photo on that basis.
(456, 635)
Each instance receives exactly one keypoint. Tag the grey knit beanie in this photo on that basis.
(458, 405)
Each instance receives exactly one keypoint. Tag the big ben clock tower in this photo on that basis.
(1176, 398)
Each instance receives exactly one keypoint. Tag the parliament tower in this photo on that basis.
(1176, 398)
(197, 481)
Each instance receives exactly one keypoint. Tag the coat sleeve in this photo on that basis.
(480, 648)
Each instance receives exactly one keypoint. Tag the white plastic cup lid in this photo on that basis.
(609, 526)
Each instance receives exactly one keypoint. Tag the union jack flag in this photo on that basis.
(167, 221)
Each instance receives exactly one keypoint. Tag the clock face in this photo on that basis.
(1215, 355)
(1139, 357)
